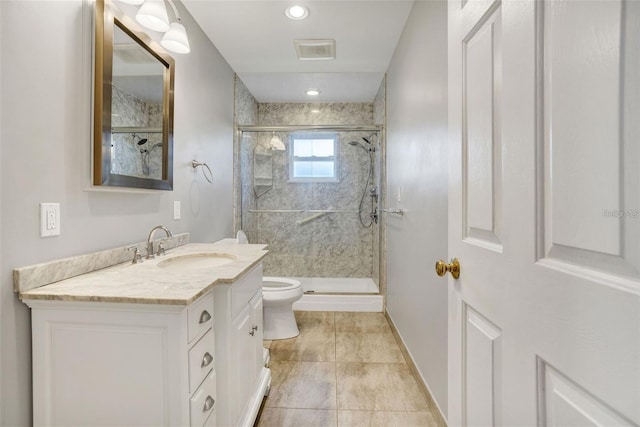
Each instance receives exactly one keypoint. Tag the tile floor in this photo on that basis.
(344, 369)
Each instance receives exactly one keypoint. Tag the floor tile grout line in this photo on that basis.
(332, 318)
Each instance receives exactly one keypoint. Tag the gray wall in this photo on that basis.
(44, 112)
(417, 172)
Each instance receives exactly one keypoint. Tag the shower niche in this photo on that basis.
(262, 170)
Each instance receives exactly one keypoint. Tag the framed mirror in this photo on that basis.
(133, 105)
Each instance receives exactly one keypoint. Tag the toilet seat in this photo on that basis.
(279, 284)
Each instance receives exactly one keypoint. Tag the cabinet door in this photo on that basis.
(255, 307)
(243, 362)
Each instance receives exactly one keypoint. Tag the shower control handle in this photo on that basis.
(373, 193)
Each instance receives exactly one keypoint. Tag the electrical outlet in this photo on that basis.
(49, 219)
(176, 210)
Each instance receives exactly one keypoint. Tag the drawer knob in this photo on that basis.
(208, 404)
(204, 317)
(207, 359)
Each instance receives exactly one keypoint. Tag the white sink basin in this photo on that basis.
(201, 261)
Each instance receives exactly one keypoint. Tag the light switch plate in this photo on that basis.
(49, 219)
(176, 210)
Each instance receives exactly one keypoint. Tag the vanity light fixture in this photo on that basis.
(296, 12)
(313, 92)
(176, 39)
(153, 15)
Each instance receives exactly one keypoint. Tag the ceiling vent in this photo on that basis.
(314, 50)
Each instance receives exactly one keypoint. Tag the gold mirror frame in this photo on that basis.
(107, 16)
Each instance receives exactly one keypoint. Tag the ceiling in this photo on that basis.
(256, 39)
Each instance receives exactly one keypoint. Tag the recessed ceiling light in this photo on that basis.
(315, 111)
(313, 92)
(296, 12)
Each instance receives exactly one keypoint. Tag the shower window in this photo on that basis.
(313, 157)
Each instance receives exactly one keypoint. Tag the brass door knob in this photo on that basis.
(453, 267)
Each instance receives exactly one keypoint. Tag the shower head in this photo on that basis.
(354, 143)
(142, 141)
(369, 148)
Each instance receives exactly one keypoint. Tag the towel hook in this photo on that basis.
(205, 167)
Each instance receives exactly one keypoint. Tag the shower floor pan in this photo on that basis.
(338, 294)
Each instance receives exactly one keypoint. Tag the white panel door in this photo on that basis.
(544, 201)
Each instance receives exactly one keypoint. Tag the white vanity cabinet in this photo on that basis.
(243, 378)
(175, 341)
(124, 364)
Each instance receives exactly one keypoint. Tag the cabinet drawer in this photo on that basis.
(244, 289)
(203, 402)
(200, 317)
(201, 360)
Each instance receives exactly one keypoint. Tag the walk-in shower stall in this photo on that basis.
(311, 193)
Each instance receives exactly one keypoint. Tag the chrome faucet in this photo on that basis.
(150, 254)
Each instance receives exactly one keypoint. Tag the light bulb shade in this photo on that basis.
(132, 2)
(153, 15)
(176, 39)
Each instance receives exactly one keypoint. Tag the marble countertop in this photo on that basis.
(146, 283)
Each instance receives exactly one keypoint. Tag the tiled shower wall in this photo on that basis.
(128, 156)
(331, 245)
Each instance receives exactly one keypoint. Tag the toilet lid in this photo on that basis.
(270, 284)
(241, 238)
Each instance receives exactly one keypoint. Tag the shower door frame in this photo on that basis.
(380, 133)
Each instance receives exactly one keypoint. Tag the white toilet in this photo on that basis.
(278, 296)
